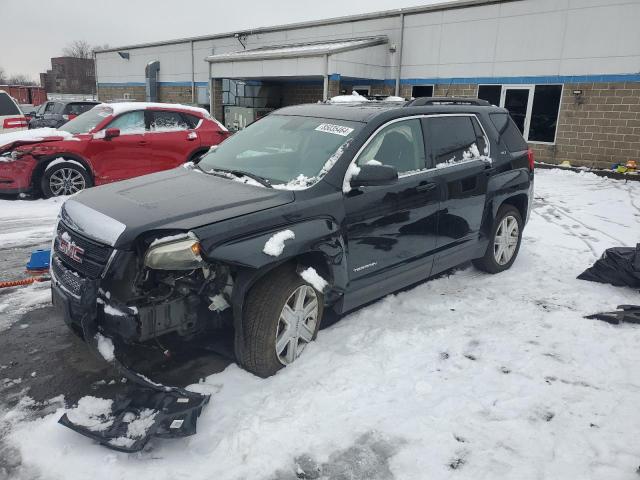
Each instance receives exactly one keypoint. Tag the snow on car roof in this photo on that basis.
(123, 107)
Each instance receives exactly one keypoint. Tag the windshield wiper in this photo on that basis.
(239, 173)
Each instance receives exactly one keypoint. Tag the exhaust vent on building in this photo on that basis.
(151, 78)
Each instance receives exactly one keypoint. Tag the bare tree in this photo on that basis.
(20, 79)
(78, 49)
(3, 76)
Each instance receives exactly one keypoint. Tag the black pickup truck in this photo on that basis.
(314, 207)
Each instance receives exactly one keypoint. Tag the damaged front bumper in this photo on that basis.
(174, 411)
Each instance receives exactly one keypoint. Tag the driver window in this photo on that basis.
(398, 145)
(130, 122)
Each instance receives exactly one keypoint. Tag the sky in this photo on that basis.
(45, 27)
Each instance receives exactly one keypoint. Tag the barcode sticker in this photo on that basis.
(335, 129)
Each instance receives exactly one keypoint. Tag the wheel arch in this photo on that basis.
(38, 172)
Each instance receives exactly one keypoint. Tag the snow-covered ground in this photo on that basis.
(469, 376)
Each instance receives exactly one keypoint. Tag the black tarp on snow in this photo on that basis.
(618, 266)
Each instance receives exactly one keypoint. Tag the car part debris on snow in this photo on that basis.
(618, 266)
(624, 314)
(147, 410)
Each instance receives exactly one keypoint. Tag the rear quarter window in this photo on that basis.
(78, 108)
(449, 137)
(508, 131)
(7, 105)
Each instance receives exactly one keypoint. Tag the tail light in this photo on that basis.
(531, 158)
(19, 122)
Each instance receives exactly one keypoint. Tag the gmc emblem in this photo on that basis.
(69, 248)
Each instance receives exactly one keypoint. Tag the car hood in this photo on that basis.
(10, 141)
(178, 199)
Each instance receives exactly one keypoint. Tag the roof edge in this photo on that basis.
(365, 42)
(449, 5)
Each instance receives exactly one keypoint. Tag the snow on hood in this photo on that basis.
(123, 107)
(32, 136)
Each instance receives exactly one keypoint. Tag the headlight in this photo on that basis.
(183, 254)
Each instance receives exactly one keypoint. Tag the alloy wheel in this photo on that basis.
(297, 324)
(506, 240)
(66, 181)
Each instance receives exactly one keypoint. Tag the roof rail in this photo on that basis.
(422, 101)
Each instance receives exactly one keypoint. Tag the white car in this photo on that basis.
(11, 117)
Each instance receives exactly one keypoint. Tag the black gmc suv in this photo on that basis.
(314, 207)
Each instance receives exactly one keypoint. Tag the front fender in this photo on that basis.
(311, 236)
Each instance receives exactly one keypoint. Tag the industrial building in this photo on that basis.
(567, 70)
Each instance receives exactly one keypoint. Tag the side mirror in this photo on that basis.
(110, 133)
(374, 175)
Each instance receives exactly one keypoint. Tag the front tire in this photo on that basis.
(506, 236)
(65, 178)
(282, 315)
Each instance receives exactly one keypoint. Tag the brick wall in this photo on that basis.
(174, 94)
(455, 90)
(297, 93)
(598, 129)
(109, 94)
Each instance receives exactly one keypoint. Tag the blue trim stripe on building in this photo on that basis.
(543, 79)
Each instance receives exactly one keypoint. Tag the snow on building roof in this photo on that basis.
(310, 49)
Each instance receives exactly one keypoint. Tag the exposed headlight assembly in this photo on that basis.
(174, 253)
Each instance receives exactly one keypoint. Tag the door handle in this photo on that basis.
(426, 187)
(142, 143)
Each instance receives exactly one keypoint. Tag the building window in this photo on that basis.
(490, 93)
(544, 113)
(418, 91)
(533, 108)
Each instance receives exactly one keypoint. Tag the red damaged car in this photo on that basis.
(110, 142)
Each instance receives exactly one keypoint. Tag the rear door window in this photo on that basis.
(163, 121)
(450, 137)
(7, 105)
(509, 132)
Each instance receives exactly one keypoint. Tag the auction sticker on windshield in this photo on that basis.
(335, 129)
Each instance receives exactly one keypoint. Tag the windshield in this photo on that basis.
(287, 151)
(87, 121)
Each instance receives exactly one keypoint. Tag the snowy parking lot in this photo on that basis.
(467, 376)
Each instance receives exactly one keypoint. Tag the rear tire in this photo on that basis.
(65, 178)
(504, 243)
(275, 330)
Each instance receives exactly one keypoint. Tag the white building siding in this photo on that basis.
(511, 39)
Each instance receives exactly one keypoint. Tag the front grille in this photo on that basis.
(72, 283)
(88, 257)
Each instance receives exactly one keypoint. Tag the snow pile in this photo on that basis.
(16, 302)
(312, 277)
(352, 171)
(468, 156)
(393, 98)
(301, 182)
(275, 244)
(37, 134)
(93, 413)
(28, 222)
(237, 178)
(467, 376)
(355, 97)
(105, 347)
